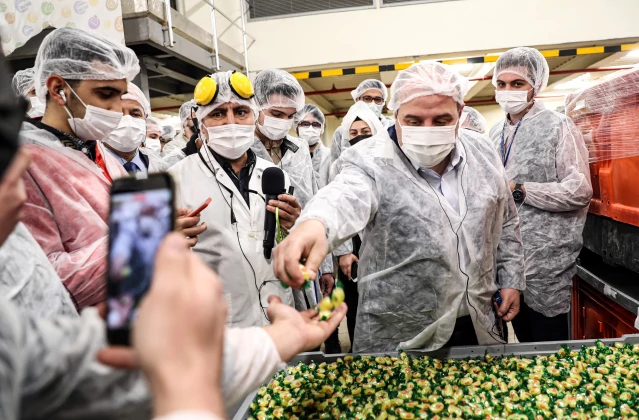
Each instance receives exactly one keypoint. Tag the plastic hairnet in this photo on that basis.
(274, 87)
(525, 62)
(135, 94)
(22, 82)
(312, 110)
(367, 85)
(225, 95)
(426, 79)
(168, 132)
(361, 110)
(471, 118)
(77, 55)
(153, 125)
(186, 109)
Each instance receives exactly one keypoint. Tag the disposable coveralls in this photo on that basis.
(412, 279)
(28, 280)
(66, 211)
(49, 369)
(549, 157)
(473, 120)
(340, 139)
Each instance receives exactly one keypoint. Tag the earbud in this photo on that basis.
(63, 96)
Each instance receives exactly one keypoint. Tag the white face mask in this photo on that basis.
(97, 123)
(129, 135)
(275, 128)
(153, 145)
(231, 140)
(512, 101)
(310, 134)
(377, 109)
(37, 108)
(428, 146)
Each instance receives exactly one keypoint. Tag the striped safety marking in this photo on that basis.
(472, 60)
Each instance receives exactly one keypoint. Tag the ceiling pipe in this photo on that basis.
(477, 79)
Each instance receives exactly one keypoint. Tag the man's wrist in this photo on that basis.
(288, 341)
(185, 392)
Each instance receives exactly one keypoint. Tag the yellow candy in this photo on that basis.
(326, 305)
(325, 315)
(337, 297)
(305, 272)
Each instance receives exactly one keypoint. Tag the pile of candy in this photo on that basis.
(596, 382)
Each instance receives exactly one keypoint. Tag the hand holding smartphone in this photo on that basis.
(200, 209)
(142, 214)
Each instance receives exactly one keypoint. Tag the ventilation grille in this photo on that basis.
(277, 8)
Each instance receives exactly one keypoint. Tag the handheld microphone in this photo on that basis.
(272, 186)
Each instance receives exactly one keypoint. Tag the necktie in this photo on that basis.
(131, 167)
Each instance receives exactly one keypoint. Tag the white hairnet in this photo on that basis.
(186, 109)
(525, 62)
(134, 93)
(153, 125)
(168, 132)
(275, 87)
(74, 54)
(471, 118)
(367, 85)
(309, 109)
(426, 79)
(225, 95)
(363, 112)
(22, 82)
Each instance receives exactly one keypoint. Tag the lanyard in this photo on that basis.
(505, 154)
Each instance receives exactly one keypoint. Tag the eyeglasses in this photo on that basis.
(307, 124)
(368, 99)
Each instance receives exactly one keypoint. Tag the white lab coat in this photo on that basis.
(223, 246)
(410, 273)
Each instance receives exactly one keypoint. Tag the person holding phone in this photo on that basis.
(228, 171)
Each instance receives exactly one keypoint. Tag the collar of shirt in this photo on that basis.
(137, 159)
(67, 140)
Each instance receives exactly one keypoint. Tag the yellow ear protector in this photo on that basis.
(207, 89)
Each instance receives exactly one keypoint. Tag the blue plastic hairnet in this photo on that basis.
(367, 85)
(309, 109)
(224, 95)
(525, 62)
(471, 118)
(23, 82)
(74, 54)
(425, 79)
(135, 94)
(278, 88)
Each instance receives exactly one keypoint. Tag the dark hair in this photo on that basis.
(358, 119)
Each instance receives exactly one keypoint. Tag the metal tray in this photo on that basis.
(521, 349)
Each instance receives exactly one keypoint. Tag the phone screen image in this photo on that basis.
(138, 223)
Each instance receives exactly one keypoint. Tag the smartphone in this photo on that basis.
(142, 214)
(200, 209)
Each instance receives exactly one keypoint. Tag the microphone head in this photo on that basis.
(273, 181)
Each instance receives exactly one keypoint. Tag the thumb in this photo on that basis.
(316, 256)
(356, 258)
(171, 262)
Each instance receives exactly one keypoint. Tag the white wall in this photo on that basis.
(436, 28)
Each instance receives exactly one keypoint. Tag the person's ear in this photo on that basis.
(55, 86)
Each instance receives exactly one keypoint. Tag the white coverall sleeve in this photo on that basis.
(336, 146)
(573, 190)
(189, 415)
(510, 250)
(345, 206)
(250, 360)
